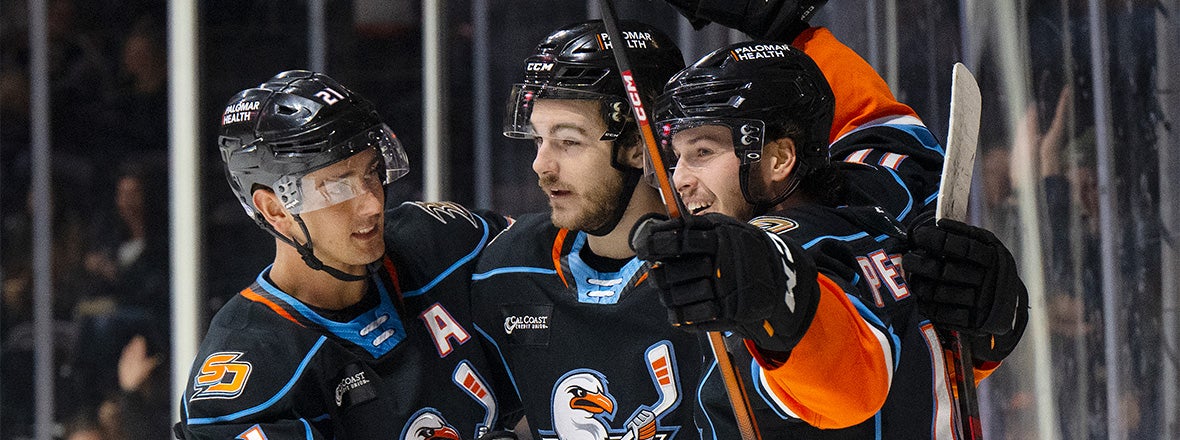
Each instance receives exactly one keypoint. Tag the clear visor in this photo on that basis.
(375, 158)
(694, 142)
(524, 98)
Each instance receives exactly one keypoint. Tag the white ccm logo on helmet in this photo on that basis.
(538, 67)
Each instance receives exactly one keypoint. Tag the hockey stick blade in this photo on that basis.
(962, 138)
(660, 365)
(953, 196)
(478, 389)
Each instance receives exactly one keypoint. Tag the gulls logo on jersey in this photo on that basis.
(583, 408)
(428, 424)
(221, 376)
(443, 210)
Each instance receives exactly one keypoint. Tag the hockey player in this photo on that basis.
(361, 326)
(748, 127)
(561, 294)
(563, 297)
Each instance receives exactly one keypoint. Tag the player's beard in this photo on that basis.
(596, 204)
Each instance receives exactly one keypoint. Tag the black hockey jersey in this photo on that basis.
(271, 367)
(863, 246)
(589, 352)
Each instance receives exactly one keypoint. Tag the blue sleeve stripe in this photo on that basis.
(307, 429)
(438, 279)
(701, 402)
(264, 405)
(923, 135)
(514, 269)
(755, 376)
(909, 203)
(873, 319)
(932, 198)
(835, 237)
(500, 353)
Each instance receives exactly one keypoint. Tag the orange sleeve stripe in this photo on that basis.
(837, 375)
(861, 94)
(254, 296)
(558, 243)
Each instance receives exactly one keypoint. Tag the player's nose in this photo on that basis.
(543, 162)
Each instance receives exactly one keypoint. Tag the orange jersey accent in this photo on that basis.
(823, 396)
(249, 294)
(862, 95)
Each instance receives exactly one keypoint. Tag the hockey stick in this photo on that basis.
(954, 188)
(659, 364)
(475, 387)
(733, 379)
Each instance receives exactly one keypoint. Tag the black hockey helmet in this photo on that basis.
(577, 62)
(277, 135)
(292, 125)
(763, 91)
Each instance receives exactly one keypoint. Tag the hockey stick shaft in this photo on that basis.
(954, 191)
(733, 380)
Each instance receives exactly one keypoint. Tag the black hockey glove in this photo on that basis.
(715, 273)
(965, 279)
(779, 20)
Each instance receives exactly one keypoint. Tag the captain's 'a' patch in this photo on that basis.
(774, 225)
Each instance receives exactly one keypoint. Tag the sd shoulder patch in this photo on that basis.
(222, 376)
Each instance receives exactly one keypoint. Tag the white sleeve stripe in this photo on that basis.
(779, 403)
(858, 156)
(891, 160)
(943, 419)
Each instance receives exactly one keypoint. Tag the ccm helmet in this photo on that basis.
(762, 91)
(576, 62)
(277, 135)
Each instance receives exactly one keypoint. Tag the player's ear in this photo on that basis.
(632, 155)
(267, 204)
(780, 158)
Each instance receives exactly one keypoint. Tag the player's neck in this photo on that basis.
(616, 244)
(313, 287)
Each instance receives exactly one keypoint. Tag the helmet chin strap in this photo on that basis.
(308, 254)
(764, 206)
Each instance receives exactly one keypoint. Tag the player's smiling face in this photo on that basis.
(572, 164)
(706, 173)
(349, 234)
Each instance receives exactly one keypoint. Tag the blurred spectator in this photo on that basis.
(140, 408)
(129, 264)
